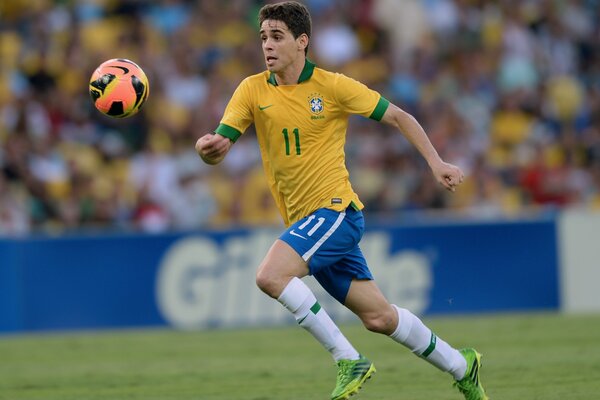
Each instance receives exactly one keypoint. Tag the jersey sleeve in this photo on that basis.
(356, 98)
(238, 113)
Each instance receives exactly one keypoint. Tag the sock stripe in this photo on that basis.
(315, 308)
(431, 347)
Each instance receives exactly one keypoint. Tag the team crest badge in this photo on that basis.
(315, 102)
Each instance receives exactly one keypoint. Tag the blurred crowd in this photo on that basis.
(507, 90)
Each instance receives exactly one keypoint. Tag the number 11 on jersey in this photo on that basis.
(286, 137)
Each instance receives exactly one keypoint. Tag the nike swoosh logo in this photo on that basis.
(296, 234)
(265, 107)
(125, 70)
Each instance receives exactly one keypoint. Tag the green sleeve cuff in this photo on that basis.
(380, 108)
(229, 132)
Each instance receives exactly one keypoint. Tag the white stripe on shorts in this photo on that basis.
(335, 225)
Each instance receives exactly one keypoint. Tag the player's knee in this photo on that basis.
(267, 283)
(262, 281)
(379, 322)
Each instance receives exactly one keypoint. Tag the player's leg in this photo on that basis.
(369, 304)
(279, 277)
(319, 241)
(280, 265)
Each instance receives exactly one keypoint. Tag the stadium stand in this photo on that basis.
(509, 91)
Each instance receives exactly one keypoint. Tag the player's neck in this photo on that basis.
(291, 74)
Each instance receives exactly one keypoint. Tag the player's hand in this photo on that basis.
(213, 147)
(448, 175)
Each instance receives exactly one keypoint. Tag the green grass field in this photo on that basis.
(532, 356)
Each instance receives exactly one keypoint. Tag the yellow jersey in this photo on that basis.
(301, 131)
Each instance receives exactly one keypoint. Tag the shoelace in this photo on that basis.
(344, 368)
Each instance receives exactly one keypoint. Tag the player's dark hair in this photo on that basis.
(293, 14)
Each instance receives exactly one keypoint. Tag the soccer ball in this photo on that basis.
(119, 88)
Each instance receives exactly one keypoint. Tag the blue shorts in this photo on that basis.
(328, 241)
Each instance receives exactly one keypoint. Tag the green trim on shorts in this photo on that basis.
(354, 206)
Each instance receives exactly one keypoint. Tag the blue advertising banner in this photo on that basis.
(485, 267)
(206, 279)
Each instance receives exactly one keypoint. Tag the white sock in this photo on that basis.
(412, 333)
(300, 301)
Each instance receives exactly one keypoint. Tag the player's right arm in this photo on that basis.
(212, 148)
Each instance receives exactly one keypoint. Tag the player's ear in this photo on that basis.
(302, 42)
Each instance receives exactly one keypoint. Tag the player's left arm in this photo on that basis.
(446, 174)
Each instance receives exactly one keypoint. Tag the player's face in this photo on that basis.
(279, 46)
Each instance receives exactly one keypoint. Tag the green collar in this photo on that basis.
(305, 75)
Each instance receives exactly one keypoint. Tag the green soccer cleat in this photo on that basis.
(470, 385)
(351, 375)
